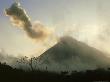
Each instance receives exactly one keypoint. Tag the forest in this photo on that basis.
(9, 74)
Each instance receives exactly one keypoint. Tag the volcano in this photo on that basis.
(69, 55)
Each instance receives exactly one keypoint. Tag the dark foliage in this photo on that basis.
(9, 74)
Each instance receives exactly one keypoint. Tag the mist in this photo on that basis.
(94, 32)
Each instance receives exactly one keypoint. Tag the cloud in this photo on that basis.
(19, 18)
(38, 31)
(18, 15)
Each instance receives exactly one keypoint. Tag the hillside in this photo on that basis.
(70, 54)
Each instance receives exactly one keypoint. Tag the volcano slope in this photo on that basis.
(69, 55)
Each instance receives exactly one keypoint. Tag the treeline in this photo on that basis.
(9, 74)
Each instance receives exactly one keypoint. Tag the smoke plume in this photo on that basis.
(20, 19)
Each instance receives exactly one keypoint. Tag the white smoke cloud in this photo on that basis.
(20, 19)
(34, 30)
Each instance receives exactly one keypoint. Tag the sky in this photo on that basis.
(85, 20)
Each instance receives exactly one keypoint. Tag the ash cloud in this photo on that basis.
(20, 19)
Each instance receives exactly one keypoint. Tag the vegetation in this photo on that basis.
(9, 74)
